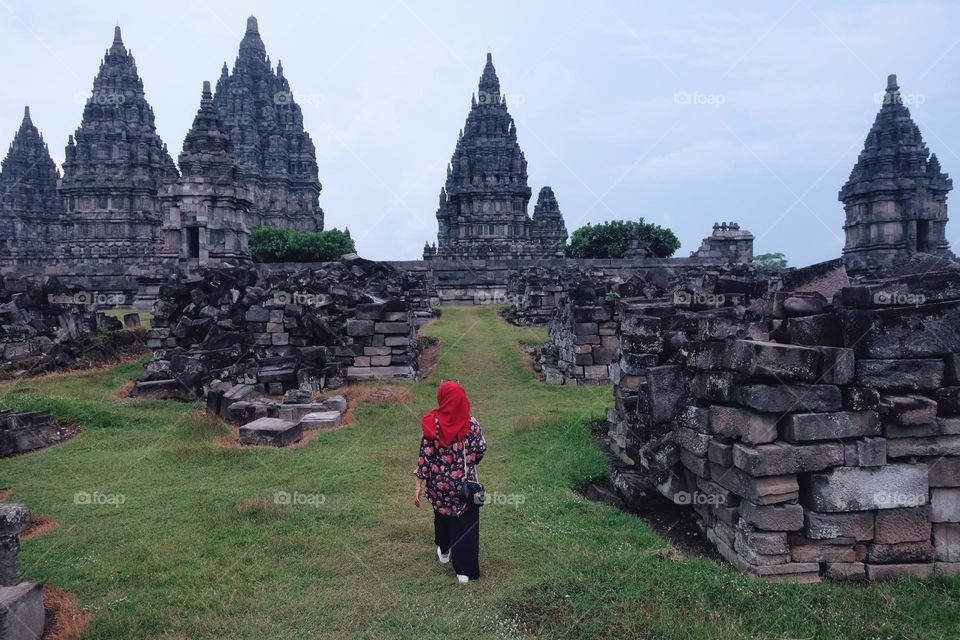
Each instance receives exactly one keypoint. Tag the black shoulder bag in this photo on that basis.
(471, 491)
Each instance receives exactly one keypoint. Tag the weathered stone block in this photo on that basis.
(793, 397)
(714, 386)
(936, 445)
(720, 453)
(695, 418)
(693, 441)
(946, 541)
(903, 332)
(839, 365)
(780, 361)
(824, 526)
(666, 388)
(392, 327)
(877, 572)
(271, 431)
(750, 426)
(862, 488)
(781, 458)
(893, 526)
(14, 518)
(803, 427)
(860, 398)
(22, 616)
(358, 328)
(762, 491)
(921, 551)
(806, 550)
(823, 329)
(907, 410)
(320, 420)
(867, 452)
(786, 517)
(945, 505)
(900, 375)
(845, 571)
(944, 471)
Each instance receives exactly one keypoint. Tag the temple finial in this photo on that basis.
(892, 82)
(26, 115)
(252, 27)
(489, 58)
(116, 35)
(206, 90)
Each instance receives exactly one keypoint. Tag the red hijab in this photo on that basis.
(453, 413)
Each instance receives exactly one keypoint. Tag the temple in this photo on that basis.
(275, 153)
(483, 206)
(114, 169)
(206, 208)
(896, 198)
(31, 211)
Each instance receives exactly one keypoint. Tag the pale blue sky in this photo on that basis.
(684, 113)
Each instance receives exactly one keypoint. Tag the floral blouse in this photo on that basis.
(443, 469)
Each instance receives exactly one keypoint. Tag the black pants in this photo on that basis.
(460, 537)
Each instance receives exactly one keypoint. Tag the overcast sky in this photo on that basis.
(682, 113)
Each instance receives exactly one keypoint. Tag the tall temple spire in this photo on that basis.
(274, 152)
(895, 198)
(483, 207)
(30, 207)
(114, 205)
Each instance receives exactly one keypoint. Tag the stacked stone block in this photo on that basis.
(22, 616)
(812, 439)
(582, 343)
(281, 331)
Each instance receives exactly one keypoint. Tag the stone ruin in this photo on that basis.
(22, 616)
(44, 322)
(280, 331)
(21, 432)
(812, 437)
(728, 242)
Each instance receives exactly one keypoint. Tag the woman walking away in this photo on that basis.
(450, 449)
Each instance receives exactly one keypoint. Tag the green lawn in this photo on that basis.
(200, 549)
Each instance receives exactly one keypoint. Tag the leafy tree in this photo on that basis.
(270, 244)
(612, 239)
(770, 261)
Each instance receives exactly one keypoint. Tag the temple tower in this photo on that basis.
(30, 208)
(548, 229)
(896, 198)
(206, 208)
(114, 168)
(274, 152)
(483, 207)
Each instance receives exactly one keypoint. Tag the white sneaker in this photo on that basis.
(463, 579)
(443, 557)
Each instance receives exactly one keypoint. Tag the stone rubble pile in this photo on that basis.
(22, 616)
(812, 438)
(266, 421)
(42, 324)
(281, 330)
(29, 431)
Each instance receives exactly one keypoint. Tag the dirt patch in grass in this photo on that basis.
(232, 440)
(526, 357)
(123, 393)
(5, 493)
(65, 619)
(39, 525)
(370, 394)
(429, 356)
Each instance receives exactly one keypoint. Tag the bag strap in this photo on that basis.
(466, 469)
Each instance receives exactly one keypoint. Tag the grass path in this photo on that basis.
(200, 549)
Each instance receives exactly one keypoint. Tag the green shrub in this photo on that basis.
(612, 239)
(269, 244)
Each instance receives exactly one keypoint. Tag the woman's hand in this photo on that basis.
(418, 493)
